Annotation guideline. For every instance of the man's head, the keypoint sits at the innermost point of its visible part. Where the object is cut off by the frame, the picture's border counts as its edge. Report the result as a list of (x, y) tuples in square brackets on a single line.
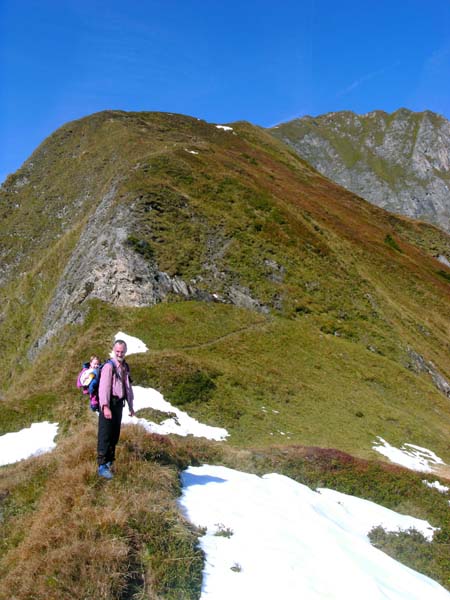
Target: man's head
[(119, 350)]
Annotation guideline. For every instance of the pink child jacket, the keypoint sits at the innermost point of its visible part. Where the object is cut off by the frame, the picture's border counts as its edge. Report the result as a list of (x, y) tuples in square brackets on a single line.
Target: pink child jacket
[(112, 385)]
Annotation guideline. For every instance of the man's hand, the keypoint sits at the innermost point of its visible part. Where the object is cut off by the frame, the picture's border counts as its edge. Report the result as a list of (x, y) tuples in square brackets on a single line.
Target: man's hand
[(107, 412), (131, 413)]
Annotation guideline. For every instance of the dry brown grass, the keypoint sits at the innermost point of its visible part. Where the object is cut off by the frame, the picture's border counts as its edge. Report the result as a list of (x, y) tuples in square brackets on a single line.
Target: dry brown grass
[(92, 539)]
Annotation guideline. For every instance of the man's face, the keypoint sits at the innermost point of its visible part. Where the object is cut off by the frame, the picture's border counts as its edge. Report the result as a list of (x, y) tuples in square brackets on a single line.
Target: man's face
[(119, 352)]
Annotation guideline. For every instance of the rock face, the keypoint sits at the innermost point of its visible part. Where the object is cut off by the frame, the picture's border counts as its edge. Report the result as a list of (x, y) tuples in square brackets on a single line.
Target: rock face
[(399, 161), (420, 365), (103, 265)]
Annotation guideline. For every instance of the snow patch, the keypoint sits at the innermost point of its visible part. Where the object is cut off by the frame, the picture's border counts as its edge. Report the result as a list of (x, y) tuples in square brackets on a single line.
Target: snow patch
[(134, 344), (190, 151), (287, 541), (443, 259), (409, 456), (364, 515), (31, 441), (181, 424), (224, 127), (436, 485)]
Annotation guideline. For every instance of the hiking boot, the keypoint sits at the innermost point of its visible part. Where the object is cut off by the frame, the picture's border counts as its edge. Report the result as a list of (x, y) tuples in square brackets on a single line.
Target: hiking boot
[(103, 471)]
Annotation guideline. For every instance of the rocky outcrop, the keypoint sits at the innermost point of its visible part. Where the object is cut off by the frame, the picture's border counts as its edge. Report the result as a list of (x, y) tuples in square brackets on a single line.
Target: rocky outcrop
[(400, 162), (419, 364), (104, 265)]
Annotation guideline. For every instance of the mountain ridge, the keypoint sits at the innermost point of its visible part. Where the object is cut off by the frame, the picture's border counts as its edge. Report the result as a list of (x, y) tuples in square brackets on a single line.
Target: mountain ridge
[(399, 161)]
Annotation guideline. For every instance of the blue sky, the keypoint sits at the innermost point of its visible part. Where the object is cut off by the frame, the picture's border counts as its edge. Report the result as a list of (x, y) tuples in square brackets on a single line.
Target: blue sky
[(265, 62)]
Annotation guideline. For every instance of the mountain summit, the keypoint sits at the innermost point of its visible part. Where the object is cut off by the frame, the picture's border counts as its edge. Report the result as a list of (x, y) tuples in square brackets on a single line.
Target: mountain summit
[(399, 161)]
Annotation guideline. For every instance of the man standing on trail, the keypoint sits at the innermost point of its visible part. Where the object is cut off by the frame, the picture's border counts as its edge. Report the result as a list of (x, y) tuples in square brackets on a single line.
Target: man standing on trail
[(114, 389)]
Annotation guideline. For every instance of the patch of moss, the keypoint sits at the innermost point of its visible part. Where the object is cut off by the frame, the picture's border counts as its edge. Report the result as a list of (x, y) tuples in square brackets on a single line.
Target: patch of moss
[(142, 247), (444, 274), (390, 241)]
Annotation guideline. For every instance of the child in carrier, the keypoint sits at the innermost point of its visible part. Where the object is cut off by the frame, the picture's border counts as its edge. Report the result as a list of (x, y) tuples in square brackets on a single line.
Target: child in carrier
[(88, 380)]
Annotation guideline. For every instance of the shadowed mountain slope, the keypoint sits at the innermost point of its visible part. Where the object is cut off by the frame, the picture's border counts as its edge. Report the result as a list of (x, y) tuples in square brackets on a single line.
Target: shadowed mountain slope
[(399, 161)]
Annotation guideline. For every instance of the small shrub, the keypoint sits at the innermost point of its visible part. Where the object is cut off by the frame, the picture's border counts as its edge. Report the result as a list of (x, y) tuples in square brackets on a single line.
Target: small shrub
[(142, 247), (302, 310), (156, 416), (413, 550), (223, 531), (444, 274), (195, 387), (389, 240)]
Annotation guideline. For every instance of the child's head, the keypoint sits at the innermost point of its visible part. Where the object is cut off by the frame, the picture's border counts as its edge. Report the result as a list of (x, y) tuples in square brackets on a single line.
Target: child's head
[(94, 362)]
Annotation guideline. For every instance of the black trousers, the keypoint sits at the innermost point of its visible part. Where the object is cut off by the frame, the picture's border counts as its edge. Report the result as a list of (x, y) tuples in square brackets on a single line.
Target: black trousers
[(109, 433)]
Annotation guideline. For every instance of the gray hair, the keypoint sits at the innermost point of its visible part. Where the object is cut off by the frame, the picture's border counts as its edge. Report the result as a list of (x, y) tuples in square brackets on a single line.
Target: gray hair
[(121, 343)]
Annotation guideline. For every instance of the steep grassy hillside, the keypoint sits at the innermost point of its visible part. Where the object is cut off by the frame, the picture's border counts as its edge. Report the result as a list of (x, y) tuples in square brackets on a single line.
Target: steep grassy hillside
[(274, 303)]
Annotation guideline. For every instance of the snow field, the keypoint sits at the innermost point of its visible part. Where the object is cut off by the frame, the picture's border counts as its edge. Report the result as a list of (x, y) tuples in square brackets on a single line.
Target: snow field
[(288, 541)]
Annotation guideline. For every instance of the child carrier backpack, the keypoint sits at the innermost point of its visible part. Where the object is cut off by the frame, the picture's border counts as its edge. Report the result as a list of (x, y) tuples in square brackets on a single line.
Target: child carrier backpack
[(88, 381)]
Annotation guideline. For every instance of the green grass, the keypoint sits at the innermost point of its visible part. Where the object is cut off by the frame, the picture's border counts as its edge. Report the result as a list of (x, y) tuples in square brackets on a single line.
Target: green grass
[(390, 241), (33, 409), (267, 379)]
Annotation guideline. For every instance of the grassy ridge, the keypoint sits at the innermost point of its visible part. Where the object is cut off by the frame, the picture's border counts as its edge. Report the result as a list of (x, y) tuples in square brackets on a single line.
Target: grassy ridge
[(68, 535), (53, 505)]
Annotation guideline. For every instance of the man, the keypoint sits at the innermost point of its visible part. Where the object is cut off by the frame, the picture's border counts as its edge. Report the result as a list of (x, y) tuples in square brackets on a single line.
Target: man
[(114, 389)]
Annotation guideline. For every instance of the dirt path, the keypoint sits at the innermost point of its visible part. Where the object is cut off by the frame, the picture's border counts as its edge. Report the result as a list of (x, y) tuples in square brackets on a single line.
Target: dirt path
[(262, 325)]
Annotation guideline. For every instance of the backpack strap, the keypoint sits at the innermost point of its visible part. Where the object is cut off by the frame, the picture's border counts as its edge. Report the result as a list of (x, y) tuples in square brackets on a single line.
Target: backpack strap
[(111, 362)]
